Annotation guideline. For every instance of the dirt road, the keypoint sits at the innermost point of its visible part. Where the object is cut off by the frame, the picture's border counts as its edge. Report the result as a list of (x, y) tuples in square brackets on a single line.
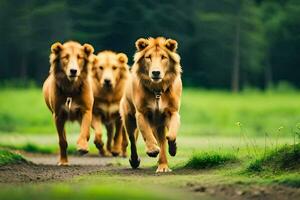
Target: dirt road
[(42, 168)]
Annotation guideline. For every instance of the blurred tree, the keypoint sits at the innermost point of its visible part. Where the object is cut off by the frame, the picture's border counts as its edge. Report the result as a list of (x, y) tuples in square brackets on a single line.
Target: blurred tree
[(231, 31), (285, 48), (223, 43)]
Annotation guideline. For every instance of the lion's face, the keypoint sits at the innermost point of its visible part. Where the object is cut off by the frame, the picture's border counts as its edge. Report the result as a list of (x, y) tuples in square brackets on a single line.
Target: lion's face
[(73, 58), (154, 57), (108, 68), (156, 61)]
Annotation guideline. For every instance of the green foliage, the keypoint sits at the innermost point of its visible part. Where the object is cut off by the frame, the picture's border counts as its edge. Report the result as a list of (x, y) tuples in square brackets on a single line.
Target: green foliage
[(292, 180), (266, 50), (92, 191), (7, 157), (285, 158), (36, 148), (206, 160)]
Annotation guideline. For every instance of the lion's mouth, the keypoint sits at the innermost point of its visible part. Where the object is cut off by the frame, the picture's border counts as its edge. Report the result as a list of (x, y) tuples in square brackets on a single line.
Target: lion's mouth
[(156, 79), (73, 77)]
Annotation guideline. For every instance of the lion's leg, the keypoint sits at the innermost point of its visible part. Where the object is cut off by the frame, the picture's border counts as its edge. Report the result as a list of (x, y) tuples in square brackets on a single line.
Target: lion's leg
[(97, 126), (117, 144), (130, 128), (162, 161), (63, 145), (84, 136), (173, 127), (110, 132), (152, 148), (124, 142)]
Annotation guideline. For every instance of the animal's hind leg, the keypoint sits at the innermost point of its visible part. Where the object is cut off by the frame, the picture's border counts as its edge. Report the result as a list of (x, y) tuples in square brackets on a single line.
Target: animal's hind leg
[(130, 128), (63, 145)]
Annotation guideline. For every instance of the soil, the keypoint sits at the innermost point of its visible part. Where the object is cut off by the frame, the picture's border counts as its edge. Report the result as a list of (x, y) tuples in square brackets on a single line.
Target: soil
[(43, 168), (251, 192)]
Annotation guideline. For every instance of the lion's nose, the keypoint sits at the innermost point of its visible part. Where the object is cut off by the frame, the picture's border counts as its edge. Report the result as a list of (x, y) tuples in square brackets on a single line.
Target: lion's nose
[(73, 72), (107, 81), (155, 73)]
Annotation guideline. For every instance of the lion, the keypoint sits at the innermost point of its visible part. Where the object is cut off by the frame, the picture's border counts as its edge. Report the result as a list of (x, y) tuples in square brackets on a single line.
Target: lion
[(109, 74), (68, 92), (152, 99)]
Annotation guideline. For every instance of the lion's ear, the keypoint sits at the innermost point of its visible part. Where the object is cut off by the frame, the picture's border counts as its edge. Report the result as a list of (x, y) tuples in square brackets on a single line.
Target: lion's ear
[(141, 44), (94, 59), (56, 47), (88, 49), (171, 45), (122, 58)]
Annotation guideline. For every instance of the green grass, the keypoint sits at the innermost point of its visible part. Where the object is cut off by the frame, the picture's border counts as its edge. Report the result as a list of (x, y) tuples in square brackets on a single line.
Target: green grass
[(216, 113), (285, 158), (24, 110), (81, 192), (207, 160), (224, 151), (202, 112), (36, 148), (7, 157)]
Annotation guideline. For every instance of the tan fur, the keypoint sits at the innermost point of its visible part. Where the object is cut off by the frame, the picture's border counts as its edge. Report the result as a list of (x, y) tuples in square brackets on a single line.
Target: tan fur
[(112, 67), (157, 119), (68, 96)]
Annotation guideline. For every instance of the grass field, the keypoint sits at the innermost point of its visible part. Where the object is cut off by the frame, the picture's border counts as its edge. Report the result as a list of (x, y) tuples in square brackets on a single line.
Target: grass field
[(239, 142), (203, 113)]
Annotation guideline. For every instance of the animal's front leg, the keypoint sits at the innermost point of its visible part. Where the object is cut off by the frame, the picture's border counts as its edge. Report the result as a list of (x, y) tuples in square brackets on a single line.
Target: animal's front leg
[(97, 126), (117, 144), (163, 162), (173, 128), (63, 145), (152, 148), (124, 143), (131, 129), (84, 136), (110, 132)]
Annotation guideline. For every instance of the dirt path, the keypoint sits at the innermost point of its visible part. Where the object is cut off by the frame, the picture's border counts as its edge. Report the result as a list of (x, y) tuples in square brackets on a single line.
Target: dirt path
[(43, 169)]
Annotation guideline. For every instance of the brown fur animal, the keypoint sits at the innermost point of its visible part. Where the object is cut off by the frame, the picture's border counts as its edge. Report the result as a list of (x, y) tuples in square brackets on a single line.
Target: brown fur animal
[(68, 92), (152, 99), (110, 72)]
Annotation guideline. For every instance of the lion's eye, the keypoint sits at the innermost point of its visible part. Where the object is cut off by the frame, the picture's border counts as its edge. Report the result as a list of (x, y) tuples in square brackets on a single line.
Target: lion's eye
[(148, 57), (114, 67), (163, 57), (66, 57), (101, 67), (79, 57)]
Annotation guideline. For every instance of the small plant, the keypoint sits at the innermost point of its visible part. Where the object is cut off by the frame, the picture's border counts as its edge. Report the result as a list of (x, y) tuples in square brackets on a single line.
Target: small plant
[(7, 157), (285, 158), (247, 141), (205, 160)]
